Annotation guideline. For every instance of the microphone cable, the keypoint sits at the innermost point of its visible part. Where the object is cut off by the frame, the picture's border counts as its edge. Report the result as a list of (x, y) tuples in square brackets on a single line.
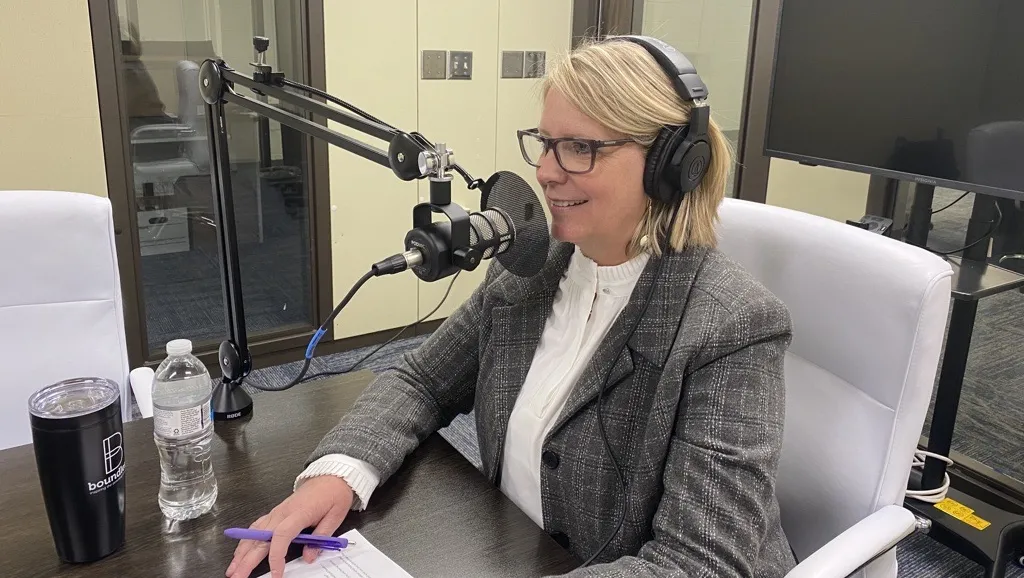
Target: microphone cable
[(389, 341), (330, 98), (385, 267), (958, 199), (319, 335), (600, 392), (471, 182), (993, 225)]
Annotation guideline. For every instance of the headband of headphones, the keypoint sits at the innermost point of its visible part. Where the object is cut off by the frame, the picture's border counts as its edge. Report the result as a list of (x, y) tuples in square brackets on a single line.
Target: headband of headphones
[(675, 64)]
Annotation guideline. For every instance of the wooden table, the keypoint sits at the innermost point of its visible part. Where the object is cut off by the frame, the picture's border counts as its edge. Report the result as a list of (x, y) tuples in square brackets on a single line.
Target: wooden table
[(438, 516)]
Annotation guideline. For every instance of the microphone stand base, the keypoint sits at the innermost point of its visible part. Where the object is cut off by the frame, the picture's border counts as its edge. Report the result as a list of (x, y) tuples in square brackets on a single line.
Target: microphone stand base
[(230, 402)]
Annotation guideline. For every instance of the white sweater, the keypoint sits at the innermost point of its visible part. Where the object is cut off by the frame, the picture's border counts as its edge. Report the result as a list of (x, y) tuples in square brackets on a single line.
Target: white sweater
[(588, 301)]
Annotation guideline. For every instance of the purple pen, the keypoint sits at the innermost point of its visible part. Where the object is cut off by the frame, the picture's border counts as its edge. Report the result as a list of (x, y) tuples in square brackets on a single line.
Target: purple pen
[(322, 542)]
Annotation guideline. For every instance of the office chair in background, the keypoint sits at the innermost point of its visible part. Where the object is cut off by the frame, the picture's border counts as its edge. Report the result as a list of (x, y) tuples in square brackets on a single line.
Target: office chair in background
[(869, 315), (994, 153), (163, 227), (188, 132)]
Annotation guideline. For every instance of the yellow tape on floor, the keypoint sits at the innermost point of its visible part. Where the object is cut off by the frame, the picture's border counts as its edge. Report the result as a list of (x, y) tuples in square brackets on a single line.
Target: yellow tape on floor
[(962, 513)]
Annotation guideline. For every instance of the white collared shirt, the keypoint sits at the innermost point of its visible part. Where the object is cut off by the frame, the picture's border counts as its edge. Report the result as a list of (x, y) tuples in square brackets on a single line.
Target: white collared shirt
[(587, 303)]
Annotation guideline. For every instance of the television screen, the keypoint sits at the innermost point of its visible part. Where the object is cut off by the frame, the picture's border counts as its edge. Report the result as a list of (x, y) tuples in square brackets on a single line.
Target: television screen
[(930, 91)]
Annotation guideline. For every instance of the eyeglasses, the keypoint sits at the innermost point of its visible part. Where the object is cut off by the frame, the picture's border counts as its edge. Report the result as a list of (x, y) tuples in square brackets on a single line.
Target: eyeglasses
[(574, 155)]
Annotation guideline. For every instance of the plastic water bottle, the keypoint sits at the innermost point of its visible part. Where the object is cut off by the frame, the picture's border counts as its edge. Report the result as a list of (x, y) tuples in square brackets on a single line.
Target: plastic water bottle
[(183, 430)]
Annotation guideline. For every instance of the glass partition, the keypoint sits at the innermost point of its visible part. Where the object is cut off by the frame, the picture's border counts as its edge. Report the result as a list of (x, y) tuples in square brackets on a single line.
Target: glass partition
[(163, 45)]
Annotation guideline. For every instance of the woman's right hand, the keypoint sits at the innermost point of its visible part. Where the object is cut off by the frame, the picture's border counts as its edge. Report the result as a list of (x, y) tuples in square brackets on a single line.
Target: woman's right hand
[(323, 502)]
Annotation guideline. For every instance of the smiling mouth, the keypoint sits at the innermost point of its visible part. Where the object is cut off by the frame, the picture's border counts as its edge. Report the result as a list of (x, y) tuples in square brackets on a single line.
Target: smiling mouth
[(564, 204)]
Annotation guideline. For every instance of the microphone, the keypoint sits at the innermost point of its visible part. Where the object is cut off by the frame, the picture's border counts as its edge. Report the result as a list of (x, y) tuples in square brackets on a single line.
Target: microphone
[(491, 233), (512, 227)]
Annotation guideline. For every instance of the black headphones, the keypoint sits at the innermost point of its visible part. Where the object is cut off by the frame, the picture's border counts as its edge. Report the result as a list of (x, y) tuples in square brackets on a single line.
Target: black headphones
[(680, 156)]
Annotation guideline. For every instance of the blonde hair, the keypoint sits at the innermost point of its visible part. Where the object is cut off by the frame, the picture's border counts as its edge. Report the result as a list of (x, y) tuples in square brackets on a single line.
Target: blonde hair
[(621, 86)]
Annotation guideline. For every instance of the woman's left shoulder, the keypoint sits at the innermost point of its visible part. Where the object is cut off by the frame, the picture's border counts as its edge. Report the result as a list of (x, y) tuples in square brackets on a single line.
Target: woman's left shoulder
[(723, 289)]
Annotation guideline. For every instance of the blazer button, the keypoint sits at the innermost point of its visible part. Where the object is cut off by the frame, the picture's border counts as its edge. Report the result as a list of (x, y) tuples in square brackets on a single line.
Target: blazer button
[(550, 459)]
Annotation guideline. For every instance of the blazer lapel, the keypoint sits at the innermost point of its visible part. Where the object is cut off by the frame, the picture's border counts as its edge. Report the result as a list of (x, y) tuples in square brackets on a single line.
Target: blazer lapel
[(517, 322), (520, 326), (653, 336)]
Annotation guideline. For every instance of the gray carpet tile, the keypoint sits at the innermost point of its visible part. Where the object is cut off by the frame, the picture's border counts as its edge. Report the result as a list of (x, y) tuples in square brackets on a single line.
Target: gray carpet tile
[(921, 557), (387, 357)]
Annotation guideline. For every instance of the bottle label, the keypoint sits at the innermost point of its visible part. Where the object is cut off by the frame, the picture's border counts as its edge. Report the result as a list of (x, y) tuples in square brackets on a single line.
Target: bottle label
[(180, 423)]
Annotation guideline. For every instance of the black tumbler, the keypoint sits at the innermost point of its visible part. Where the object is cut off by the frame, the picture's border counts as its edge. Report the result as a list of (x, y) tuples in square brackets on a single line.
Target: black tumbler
[(78, 440)]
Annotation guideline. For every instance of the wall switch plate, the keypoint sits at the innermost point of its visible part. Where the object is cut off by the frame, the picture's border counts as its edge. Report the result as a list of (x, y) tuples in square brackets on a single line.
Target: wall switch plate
[(460, 65), (512, 64), (535, 64), (434, 64)]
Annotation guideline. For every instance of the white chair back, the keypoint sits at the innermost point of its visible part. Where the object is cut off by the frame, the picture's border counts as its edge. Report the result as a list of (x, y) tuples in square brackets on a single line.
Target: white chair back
[(60, 301), (869, 316), (192, 112)]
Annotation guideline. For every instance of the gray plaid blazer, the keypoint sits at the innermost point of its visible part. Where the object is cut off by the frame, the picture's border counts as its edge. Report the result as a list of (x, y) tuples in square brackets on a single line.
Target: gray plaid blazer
[(693, 410)]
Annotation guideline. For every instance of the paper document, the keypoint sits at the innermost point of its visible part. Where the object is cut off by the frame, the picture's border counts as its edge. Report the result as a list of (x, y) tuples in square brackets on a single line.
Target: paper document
[(359, 560)]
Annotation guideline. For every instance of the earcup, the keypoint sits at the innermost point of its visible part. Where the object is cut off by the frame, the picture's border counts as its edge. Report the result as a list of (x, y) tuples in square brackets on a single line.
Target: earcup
[(654, 154), (693, 166), (661, 174)]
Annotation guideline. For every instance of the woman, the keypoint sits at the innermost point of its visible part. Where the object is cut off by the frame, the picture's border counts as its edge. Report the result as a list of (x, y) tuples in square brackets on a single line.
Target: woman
[(636, 320)]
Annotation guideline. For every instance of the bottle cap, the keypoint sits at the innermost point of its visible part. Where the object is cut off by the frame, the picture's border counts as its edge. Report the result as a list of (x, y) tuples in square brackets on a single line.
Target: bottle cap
[(179, 347)]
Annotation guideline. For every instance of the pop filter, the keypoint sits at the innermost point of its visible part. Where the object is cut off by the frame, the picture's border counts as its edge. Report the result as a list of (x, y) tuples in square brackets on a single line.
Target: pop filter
[(507, 192)]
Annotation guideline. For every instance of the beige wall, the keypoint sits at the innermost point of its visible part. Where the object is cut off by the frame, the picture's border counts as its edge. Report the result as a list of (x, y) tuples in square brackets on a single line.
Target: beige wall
[(715, 36), (476, 118), (822, 191), (49, 129), (461, 113), (480, 118), (369, 206)]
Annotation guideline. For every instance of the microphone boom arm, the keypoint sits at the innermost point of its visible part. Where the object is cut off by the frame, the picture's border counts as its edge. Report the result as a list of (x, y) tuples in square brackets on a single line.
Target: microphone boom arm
[(409, 155), (217, 81)]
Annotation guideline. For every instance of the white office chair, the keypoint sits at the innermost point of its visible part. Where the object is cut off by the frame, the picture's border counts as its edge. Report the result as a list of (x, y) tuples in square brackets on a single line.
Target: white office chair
[(60, 301), (189, 133), (869, 317)]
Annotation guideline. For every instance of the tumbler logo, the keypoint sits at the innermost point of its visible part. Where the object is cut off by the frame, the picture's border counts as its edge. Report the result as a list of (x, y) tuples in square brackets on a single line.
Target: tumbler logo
[(113, 463), (111, 451)]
